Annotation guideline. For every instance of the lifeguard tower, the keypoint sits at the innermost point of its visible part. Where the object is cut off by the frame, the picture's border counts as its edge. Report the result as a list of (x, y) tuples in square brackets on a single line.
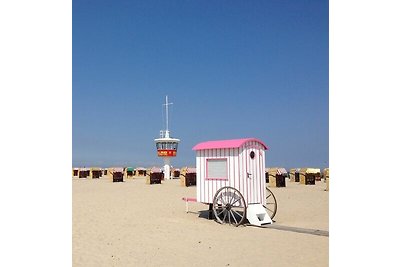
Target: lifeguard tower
[(167, 147)]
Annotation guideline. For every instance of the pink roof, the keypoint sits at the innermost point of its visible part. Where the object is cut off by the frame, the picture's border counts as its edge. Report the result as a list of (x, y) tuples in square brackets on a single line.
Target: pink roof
[(233, 143), (281, 171), (191, 170), (155, 169)]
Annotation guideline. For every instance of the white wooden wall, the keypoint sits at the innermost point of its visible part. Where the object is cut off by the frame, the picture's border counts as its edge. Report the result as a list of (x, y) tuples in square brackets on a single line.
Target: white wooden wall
[(238, 163)]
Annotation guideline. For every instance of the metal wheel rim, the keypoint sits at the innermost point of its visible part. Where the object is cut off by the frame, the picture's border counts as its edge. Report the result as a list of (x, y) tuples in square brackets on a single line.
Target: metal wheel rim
[(229, 206), (270, 203)]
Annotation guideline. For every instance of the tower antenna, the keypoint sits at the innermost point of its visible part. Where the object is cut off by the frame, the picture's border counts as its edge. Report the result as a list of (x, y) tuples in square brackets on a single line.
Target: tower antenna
[(166, 111)]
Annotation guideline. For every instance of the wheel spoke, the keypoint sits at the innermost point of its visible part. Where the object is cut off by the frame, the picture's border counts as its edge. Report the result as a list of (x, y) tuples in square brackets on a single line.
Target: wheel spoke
[(241, 216), (269, 209), (233, 198), (233, 216), (220, 212), (218, 200), (223, 220), (222, 199), (229, 198), (226, 195), (236, 201)]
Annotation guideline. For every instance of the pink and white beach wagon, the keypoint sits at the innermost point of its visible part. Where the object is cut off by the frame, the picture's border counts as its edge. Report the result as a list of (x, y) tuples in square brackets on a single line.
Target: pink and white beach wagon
[(231, 179)]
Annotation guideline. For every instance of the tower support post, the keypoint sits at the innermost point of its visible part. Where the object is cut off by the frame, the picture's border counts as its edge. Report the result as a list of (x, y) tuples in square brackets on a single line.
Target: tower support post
[(167, 168)]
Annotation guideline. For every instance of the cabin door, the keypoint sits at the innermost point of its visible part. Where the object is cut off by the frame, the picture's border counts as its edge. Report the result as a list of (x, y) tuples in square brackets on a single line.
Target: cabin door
[(254, 176)]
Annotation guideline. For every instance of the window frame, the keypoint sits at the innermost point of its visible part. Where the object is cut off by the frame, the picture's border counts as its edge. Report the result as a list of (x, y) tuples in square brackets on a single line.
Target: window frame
[(226, 169)]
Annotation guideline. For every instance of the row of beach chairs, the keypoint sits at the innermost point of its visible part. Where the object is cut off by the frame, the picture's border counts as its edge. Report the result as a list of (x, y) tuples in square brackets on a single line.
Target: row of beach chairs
[(153, 175), (276, 177)]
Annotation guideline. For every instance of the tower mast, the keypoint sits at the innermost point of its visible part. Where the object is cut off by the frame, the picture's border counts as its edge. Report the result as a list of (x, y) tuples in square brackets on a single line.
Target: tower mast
[(166, 111), (167, 147)]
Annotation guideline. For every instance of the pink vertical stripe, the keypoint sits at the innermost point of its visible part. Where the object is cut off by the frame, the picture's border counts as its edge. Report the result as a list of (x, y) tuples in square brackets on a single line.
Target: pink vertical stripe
[(208, 183), (232, 154), (242, 170), (260, 173), (245, 175), (212, 182), (204, 175), (238, 172)]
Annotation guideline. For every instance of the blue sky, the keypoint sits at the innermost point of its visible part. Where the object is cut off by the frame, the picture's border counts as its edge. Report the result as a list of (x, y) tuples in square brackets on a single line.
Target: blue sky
[(233, 69)]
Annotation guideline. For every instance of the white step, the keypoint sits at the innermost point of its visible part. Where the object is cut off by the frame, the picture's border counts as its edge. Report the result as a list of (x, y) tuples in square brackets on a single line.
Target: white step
[(257, 215)]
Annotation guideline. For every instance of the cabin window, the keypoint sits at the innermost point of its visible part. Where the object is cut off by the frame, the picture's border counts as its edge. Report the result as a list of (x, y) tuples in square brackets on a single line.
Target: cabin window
[(217, 169)]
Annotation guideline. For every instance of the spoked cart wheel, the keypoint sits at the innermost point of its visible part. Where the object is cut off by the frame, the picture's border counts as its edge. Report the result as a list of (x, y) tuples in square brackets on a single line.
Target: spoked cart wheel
[(229, 206), (270, 203)]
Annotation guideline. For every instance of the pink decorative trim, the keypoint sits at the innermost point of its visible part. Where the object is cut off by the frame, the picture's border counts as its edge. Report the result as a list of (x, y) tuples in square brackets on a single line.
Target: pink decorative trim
[(232, 143)]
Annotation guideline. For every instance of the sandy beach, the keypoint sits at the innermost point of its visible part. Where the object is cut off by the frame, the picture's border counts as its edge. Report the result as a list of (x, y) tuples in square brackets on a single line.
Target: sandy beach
[(135, 224)]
